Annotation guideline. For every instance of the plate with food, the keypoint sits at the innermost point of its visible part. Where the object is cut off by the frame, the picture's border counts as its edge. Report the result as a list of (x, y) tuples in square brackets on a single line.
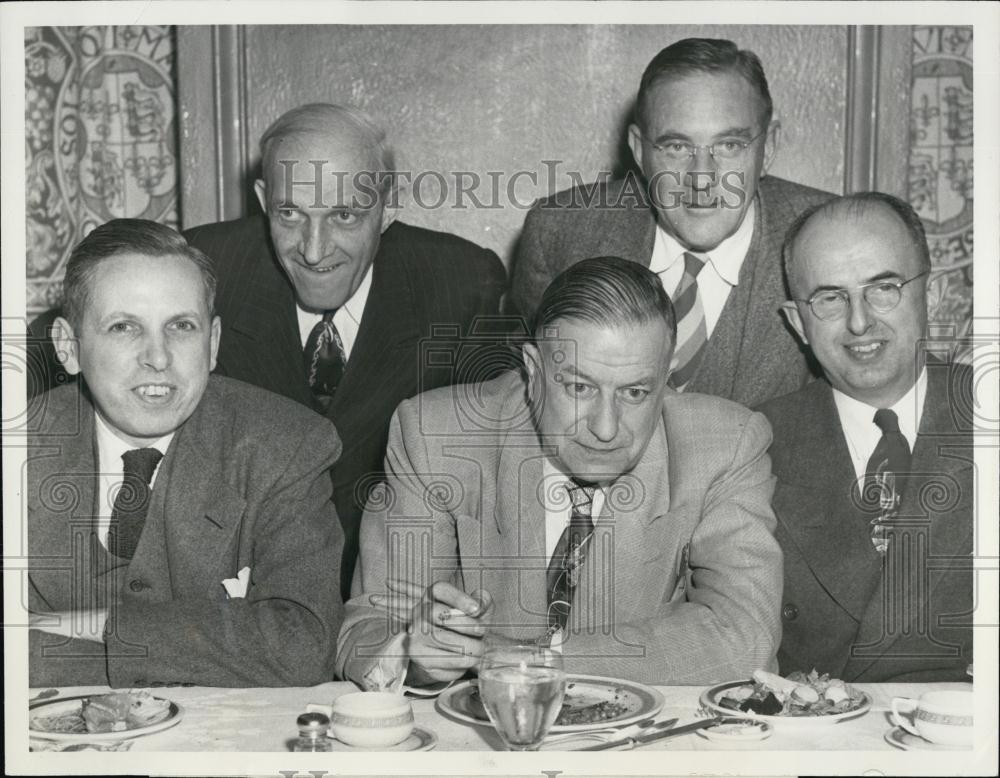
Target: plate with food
[(96, 718), (801, 699), (591, 702)]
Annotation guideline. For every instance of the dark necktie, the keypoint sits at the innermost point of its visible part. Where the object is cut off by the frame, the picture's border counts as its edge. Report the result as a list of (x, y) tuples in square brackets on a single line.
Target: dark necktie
[(692, 332), (568, 556), (128, 516), (885, 475), (324, 360)]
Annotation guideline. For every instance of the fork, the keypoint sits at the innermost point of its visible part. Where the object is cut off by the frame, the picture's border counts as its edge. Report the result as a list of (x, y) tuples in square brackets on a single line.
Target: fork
[(612, 732)]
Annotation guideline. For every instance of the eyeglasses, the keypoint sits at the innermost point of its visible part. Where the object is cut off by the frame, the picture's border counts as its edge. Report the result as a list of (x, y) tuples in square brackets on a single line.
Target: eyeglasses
[(725, 149), (882, 296)]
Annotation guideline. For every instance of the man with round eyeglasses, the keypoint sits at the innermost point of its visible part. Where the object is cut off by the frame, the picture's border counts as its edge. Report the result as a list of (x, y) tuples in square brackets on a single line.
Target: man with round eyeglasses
[(706, 218), (874, 464)]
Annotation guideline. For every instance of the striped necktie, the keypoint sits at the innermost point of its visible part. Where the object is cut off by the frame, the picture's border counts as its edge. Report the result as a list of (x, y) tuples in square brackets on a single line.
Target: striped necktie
[(692, 334), (325, 360), (569, 554)]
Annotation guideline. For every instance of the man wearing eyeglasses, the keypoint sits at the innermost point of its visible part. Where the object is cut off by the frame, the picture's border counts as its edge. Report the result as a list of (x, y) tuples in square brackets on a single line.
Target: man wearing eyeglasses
[(874, 464), (706, 220)]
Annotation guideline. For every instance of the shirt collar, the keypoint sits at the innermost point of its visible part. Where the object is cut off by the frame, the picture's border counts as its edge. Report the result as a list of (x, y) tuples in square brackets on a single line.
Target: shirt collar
[(909, 409), (110, 447), (727, 258)]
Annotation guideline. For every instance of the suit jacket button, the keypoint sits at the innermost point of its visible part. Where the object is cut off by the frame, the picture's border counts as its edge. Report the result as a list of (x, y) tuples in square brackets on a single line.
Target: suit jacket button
[(136, 585), (790, 612)]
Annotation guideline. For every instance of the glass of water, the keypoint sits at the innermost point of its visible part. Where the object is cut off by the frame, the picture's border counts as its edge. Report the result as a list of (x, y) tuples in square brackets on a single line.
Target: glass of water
[(522, 688)]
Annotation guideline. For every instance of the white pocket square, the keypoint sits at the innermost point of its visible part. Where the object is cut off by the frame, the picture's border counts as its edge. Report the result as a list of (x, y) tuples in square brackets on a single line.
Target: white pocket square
[(237, 587)]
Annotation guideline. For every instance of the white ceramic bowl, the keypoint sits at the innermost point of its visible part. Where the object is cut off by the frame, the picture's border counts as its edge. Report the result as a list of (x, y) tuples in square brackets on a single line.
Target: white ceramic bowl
[(371, 719)]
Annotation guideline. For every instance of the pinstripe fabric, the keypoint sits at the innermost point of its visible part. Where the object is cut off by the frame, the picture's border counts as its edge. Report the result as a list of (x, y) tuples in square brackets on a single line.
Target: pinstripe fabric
[(427, 289)]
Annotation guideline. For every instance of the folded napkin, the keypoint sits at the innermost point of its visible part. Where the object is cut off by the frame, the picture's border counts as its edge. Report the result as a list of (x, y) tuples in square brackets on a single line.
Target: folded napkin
[(236, 587)]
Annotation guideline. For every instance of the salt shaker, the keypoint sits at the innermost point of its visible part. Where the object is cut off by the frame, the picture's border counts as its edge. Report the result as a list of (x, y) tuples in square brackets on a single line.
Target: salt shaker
[(312, 733)]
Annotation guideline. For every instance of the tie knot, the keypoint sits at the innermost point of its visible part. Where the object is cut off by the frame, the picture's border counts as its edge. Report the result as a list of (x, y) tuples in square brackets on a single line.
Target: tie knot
[(142, 462), (328, 316), (582, 497), (692, 264), (886, 420)]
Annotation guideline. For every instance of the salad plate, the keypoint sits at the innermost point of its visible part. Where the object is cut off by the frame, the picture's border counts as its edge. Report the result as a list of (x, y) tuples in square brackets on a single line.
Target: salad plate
[(591, 702), (793, 714), (63, 720)]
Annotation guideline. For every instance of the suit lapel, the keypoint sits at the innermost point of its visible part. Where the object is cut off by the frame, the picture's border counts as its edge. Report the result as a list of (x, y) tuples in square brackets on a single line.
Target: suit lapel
[(264, 336), (816, 508), (631, 537), (941, 466), (62, 503), (515, 540), (193, 526), (384, 350)]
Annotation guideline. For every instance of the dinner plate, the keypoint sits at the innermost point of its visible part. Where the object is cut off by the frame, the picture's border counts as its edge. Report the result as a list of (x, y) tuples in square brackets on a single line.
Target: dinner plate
[(640, 702), (900, 738), (39, 711), (710, 701), (420, 739)]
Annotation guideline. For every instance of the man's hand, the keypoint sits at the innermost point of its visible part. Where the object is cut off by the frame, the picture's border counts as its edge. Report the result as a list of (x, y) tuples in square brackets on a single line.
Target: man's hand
[(446, 628), (83, 625)]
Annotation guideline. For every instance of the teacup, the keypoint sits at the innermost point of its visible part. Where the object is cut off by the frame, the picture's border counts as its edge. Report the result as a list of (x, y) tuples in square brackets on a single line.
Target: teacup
[(943, 717), (371, 719)]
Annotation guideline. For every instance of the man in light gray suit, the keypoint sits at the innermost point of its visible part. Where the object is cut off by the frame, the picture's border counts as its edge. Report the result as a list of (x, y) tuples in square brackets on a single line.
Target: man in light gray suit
[(707, 219), (586, 504), (180, 527)]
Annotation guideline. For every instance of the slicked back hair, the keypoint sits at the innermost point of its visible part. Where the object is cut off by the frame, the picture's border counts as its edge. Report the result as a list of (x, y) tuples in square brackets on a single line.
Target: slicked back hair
[(327, 119), (126, 236), (704, 55), (857, 206), (607, 291)]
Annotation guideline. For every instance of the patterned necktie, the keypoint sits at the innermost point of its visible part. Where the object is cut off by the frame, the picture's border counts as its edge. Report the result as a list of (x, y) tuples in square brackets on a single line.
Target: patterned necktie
[(128, 516), (570, 551), (325, 360), (692, 333), (884, 476)]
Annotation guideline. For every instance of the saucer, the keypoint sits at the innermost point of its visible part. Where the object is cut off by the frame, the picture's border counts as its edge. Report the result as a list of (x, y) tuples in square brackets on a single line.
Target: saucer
[(420, 739), (738, 731), (900, 738)]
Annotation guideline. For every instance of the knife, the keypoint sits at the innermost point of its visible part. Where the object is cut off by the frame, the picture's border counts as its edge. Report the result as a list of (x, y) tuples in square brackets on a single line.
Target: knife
[(633, 742)]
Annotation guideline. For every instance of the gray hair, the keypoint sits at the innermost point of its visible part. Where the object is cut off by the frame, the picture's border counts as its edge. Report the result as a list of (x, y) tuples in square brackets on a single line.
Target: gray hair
[(325, 119)]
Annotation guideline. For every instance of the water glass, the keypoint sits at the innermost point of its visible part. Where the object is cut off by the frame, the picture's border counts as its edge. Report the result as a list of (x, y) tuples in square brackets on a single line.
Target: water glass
[(522, 688)]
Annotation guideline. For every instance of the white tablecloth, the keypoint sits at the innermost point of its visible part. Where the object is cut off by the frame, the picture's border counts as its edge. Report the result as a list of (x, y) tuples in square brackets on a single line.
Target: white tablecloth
[(263, 720)]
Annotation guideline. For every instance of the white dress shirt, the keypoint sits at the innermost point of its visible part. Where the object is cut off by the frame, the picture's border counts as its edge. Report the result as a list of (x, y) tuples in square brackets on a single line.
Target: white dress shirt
[(719, 275), (857, 419), (347, 319), (111, 471)]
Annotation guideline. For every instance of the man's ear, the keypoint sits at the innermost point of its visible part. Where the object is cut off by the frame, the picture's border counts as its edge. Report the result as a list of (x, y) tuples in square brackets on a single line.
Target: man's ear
[(215, 340), (771, 139), (67, 346), (635, 143), (791, 310), (260, 189)]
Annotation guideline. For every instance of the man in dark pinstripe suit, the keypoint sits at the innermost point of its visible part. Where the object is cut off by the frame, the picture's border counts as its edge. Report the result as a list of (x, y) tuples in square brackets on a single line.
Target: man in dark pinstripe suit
[(329, 249)]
